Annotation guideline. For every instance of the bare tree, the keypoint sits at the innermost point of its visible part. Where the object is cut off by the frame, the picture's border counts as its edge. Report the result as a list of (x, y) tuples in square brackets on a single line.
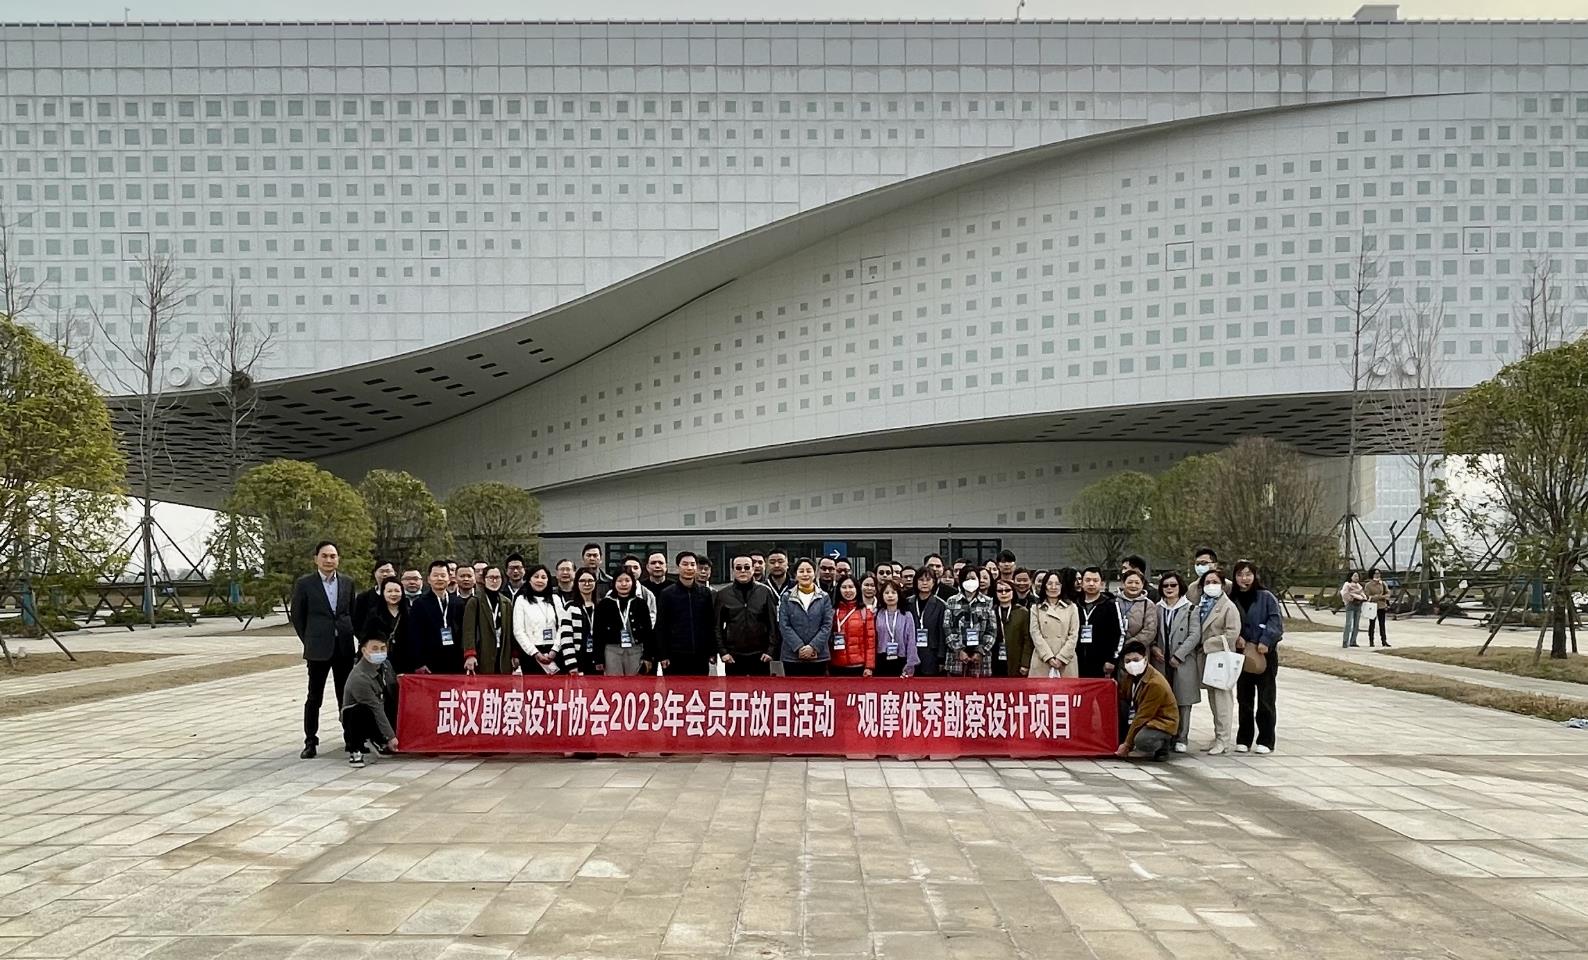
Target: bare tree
[(1409, 369), (1364, 299), (146, 347), (16, 295), (1540, 313), (236, 350)]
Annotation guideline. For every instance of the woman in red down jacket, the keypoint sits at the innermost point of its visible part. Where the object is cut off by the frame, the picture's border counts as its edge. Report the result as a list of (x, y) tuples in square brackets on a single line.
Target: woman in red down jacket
[(854, 633)]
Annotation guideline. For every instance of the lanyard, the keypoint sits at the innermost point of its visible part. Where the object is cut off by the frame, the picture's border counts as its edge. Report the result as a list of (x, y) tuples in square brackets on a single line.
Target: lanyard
[(623, 612), (1087, 611), (893, 624), (845, 620)]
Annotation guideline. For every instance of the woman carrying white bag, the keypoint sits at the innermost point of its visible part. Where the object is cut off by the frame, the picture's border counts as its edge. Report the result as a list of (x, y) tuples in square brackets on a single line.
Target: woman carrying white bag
[(1220, 622)]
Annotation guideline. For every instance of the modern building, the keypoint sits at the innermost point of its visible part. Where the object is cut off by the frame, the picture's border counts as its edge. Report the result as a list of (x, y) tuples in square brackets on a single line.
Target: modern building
[(902, 285)]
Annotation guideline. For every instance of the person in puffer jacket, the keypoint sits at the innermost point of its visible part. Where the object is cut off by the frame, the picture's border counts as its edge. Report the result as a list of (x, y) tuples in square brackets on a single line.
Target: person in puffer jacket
[(854, 633)]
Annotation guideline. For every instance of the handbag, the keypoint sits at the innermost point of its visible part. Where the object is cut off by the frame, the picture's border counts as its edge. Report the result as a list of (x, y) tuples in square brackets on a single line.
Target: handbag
[(1223, 669), (1254, 660), (1369, 610)]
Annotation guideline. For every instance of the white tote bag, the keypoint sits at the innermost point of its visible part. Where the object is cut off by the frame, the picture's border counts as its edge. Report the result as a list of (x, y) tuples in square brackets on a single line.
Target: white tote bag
[(1223, 669), (1369, 612)]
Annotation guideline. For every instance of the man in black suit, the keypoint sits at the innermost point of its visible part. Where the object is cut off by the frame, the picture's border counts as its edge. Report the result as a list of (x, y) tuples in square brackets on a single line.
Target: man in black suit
[(322, 616), (433, 640)]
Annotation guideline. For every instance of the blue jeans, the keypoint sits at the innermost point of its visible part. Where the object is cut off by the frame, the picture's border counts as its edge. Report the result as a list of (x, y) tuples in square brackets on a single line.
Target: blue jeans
[(1353, 613)]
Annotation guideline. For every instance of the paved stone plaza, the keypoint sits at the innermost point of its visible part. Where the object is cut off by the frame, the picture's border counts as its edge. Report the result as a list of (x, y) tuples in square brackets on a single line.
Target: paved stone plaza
[(182, 824)]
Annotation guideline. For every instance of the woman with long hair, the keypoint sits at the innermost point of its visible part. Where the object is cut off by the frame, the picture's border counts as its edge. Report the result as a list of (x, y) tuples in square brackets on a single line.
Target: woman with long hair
[(897, 655), (868, 591), (854, 644), (622, 628), (385, 620), (577, 623), (1055, 630), (537, 628), (1262, 627)]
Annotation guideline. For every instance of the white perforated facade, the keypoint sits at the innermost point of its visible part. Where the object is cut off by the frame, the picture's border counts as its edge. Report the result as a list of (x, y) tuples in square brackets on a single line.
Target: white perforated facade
[(705, 267)]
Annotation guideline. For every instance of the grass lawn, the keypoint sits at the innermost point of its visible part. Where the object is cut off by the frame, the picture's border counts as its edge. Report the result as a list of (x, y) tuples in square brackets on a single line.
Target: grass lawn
[(12, 704), (1527, 704), (1298, 625), (1514, 660), (44, 657)]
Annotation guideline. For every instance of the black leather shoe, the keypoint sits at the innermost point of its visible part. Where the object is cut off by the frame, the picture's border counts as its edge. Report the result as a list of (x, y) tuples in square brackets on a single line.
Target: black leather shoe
[(308, 752)]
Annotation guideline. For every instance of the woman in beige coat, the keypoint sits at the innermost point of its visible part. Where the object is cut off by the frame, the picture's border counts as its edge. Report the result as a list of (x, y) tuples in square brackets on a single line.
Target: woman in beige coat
[(1055, 630), (1220, 622)]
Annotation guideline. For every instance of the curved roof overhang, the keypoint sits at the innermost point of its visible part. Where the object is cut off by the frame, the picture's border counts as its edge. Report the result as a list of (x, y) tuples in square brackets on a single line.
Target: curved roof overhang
[(339, 411)]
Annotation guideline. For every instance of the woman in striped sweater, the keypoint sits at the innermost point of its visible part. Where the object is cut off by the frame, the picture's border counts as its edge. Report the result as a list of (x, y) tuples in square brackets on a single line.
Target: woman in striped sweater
[(577, 623)]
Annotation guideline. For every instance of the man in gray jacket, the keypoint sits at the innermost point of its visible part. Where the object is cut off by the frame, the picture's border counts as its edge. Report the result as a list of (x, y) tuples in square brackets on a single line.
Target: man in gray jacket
[(367, 710), (322, 615)]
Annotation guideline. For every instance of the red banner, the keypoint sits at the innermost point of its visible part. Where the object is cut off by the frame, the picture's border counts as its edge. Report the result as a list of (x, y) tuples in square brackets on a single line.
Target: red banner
[(937, 717)]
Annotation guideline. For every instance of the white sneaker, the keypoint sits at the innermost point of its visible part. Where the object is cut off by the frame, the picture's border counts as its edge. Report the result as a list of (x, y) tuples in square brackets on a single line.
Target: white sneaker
[(1241, 748), (355, 759), (1260, 749), (1217, 748), (1180, 748)]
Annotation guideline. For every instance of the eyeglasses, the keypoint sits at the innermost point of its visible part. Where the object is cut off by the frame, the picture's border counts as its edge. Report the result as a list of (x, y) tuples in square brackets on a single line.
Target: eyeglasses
[(741, 566)]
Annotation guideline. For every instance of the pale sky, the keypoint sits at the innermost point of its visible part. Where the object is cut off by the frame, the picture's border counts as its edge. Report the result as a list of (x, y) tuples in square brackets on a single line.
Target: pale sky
[(15, 10)]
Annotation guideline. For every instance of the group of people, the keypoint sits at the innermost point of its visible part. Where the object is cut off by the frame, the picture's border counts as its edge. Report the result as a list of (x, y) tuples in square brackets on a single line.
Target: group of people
[(802, 617), (1365, 601)]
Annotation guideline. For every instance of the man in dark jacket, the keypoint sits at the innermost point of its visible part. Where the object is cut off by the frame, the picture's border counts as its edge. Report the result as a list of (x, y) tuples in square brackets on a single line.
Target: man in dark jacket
[(433, 639), (365, 601), (322, 616), (1098, 644), (684, 641), (745, 614), (928, 609)]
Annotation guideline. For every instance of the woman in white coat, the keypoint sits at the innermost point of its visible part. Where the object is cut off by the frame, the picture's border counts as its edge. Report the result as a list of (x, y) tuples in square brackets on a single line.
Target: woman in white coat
[(1220, 632), (543, 648), (1055, 630)]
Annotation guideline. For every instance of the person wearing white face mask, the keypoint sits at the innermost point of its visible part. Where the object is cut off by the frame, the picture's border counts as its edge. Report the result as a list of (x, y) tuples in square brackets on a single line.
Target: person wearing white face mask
[(971, 626), (1204, 560), (1148, 705), (366, 717), (1220, 632)]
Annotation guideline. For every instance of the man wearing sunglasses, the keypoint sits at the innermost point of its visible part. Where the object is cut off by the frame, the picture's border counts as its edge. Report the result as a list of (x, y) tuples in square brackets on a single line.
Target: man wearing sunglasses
[(746, 621)]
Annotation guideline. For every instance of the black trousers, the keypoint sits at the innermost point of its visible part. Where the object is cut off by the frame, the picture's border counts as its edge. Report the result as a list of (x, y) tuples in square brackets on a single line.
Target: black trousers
[(805, 668), (359, 725), (1383, 615), (747, 665), (1254, 698), (338, 670), (889, 667)]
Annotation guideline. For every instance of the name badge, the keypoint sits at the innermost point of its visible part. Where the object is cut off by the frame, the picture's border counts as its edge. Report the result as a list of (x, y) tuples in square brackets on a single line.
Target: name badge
[(446, 636), (920, 639), (1003, 653), (838, 640), (625, 639), (1086, 633), (545, 635), (892, 648), (972, 637)]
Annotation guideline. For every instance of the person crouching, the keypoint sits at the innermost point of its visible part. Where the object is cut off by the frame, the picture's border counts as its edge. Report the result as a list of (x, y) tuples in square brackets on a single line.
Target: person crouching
[(1150, 706), (366, 717)]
